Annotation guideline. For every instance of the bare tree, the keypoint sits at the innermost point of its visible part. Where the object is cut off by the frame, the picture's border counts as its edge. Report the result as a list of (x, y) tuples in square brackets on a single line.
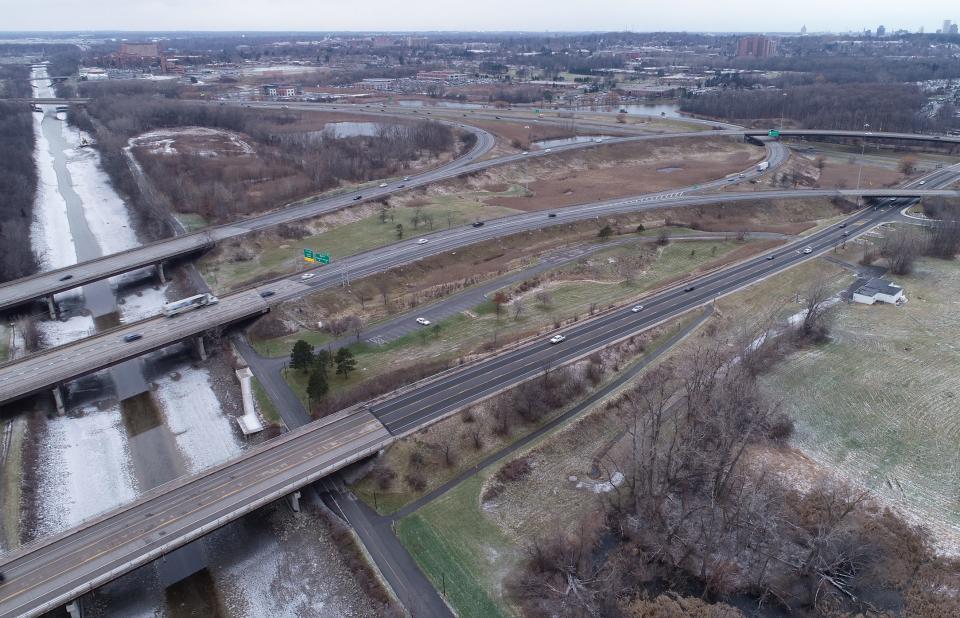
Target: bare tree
[(908, 165), (901, 248), (517, 307)]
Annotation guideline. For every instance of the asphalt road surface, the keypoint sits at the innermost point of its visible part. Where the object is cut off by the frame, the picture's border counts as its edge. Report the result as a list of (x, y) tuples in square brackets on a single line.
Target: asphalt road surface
[(33, 373), (51, 571)]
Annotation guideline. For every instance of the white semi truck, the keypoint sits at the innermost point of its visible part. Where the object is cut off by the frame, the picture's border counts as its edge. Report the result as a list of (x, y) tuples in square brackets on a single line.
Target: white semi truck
[(762, 167), (189, 304)]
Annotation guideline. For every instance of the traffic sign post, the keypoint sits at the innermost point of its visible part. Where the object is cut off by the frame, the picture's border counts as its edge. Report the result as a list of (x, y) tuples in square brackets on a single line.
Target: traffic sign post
[(308, 255)]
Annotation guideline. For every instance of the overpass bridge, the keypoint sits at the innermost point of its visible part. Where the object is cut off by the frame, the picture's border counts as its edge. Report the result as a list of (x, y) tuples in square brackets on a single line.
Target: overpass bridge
[(48, 101), (52, 368)]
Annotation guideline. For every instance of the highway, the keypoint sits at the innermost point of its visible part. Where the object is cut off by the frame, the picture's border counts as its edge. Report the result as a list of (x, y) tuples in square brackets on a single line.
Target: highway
[(20, 291), (51, 571), (35, 372)]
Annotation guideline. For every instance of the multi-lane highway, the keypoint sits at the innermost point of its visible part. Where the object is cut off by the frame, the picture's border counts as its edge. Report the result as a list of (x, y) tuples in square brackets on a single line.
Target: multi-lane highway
[(35, 372), (45, 284), (51, 571)]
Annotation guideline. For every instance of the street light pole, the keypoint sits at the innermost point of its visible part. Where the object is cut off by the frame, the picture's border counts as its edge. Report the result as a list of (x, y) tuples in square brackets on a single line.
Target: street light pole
[(863, 149), (783, 106)]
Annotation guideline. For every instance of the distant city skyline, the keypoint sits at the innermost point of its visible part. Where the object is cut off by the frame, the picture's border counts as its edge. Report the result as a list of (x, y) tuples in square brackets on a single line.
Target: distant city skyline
[(492, 15)]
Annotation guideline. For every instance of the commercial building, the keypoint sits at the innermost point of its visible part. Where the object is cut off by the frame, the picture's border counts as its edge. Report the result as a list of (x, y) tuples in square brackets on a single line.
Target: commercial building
[(442, 76), (280, 90), (756, 47)]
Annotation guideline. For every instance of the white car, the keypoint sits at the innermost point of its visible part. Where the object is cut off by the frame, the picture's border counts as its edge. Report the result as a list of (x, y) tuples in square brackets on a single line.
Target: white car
[(808, 250), (406, 178), (922, 182), (382, 185), (598, 140), (548, 149), (557, 338), (423, 321), (306, 276), (637, 308), (524, 152), (422, 241)]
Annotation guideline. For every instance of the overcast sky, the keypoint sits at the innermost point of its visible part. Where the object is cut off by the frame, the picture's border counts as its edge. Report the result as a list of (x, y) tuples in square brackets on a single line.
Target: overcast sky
[(535, 15)]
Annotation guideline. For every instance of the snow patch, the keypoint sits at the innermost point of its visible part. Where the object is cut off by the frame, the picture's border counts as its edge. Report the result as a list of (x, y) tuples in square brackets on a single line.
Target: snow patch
[(83, 468), (62, 332), (144, 303), (204, 433), (602, 488)]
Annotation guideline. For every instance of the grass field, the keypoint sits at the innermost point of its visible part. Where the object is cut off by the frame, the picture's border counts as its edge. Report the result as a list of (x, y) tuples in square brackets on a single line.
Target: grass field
[(191, 222), (282, 255), (461, 551), (264, 403), (4, 342), (880, 401)]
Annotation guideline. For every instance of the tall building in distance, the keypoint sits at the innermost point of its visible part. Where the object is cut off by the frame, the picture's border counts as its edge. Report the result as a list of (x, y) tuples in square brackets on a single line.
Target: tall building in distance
[(803, 30), (955, 29), (756, 47), (881, 30)]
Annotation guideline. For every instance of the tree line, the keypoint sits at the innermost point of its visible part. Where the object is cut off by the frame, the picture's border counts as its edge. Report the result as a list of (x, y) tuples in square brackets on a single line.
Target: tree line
[(890, 107), (18, 175), (288, 165)]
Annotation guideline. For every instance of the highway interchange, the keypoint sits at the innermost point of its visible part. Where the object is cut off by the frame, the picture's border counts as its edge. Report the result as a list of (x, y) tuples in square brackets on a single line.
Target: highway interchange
[(51, 571)]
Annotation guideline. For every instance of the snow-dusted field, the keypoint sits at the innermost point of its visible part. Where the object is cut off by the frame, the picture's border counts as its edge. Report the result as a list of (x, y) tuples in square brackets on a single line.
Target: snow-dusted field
[(205, 435), (202, 141), (83, 469)]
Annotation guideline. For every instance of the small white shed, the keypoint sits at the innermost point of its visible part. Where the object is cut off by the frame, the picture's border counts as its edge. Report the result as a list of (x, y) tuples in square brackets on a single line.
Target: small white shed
[(879, 291)]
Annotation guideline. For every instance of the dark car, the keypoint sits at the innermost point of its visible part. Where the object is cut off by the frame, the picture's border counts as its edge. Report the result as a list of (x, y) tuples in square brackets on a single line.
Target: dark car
[(132, 337), (689, 288), (846, 233), (66, 278), (552, 214), (477, 224), (267, 293), (770, 257), (357, 198), (843, 225), (401, 186), (3, 578)]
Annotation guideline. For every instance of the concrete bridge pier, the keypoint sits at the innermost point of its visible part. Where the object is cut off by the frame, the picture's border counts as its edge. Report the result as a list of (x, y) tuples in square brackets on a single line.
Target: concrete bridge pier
[(52, 306), (160, 275), (58, 399), (294, 499), (75, 609), (198, 348)]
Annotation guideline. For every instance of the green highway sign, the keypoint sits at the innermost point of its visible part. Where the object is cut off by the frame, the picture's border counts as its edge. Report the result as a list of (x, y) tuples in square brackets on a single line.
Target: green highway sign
[(773, 133), (309, 255)]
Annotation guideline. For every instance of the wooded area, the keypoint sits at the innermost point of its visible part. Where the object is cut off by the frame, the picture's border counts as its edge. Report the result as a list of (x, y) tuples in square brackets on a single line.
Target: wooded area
[(18, 175), (886, 107), (287, 165)]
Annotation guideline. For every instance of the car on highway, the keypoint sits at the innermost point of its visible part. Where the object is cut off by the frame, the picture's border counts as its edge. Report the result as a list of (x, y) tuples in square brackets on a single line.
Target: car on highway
[(267, 293), (637, 308), (498, 117), (382, 185), (406, 178), (400, 186), (422, 241), (557, 338), (770, 257), (689, 288), (357, 198), (423, 321), (922, 182), (477, 224), (843, 225), (524, 152), (306, 276), (548, 149), (551, 215), (132, 337), (846, 233), (808, 250), (66, 278)]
